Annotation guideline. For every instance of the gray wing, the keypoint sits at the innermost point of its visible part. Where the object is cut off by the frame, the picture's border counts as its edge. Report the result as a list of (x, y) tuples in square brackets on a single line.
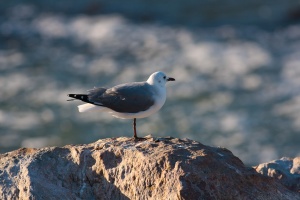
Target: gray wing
[(125, 98)]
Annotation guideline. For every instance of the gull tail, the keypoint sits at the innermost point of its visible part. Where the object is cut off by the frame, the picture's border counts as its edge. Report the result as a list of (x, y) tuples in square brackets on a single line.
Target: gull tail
[(88, 107)]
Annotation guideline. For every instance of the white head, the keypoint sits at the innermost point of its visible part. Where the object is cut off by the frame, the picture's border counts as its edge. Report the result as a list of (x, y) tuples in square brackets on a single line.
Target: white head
[(159, 79)]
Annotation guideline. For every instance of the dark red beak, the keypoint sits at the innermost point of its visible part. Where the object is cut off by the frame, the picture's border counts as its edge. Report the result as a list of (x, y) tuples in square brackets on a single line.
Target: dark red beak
[(171, 79)]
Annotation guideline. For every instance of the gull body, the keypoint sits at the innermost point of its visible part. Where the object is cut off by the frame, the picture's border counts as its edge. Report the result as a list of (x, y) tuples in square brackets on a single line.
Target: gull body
[(128, 100)]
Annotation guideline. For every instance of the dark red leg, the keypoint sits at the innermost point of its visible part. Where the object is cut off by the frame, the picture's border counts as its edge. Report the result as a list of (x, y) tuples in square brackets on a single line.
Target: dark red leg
[(134, 128), (134, 132)]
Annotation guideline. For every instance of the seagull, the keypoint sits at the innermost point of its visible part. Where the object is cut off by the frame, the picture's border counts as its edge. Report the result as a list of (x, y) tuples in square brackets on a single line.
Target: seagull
[(129, 100)]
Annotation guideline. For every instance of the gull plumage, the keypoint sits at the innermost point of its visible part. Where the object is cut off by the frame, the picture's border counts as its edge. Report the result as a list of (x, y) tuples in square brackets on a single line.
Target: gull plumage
[(129, 100)]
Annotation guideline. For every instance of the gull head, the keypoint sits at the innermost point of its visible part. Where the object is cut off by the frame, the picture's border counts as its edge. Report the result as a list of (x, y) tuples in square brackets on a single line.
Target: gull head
[(159, 79)]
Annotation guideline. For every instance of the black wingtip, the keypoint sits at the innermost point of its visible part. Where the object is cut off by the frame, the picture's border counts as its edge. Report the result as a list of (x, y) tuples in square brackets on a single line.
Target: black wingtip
[(72, 95), (82, 97)]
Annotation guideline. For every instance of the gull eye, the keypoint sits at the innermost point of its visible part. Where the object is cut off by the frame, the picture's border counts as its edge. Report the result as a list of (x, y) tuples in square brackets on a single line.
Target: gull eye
[(165, 77)]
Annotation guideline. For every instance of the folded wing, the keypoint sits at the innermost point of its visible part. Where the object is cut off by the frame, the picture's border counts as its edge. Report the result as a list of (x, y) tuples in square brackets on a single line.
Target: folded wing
[(129, 98)]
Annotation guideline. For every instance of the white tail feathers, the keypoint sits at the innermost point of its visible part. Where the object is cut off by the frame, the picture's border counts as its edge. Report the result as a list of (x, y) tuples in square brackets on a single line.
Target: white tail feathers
[(87, 107)]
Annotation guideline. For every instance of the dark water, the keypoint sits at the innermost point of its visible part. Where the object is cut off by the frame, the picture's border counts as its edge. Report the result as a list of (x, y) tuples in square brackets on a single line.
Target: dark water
[(237, 85)]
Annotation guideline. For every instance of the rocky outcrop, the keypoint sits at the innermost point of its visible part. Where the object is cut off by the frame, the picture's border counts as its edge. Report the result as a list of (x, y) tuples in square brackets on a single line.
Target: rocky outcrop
[(121, 168), (286, 170)]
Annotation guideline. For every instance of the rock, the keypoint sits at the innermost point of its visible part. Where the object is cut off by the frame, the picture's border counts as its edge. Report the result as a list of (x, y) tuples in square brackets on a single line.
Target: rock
[(121, 168), (286, 170)]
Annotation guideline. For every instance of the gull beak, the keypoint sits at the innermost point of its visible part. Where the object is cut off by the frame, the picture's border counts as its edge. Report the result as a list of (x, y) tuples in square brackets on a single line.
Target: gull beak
[(171, 79)]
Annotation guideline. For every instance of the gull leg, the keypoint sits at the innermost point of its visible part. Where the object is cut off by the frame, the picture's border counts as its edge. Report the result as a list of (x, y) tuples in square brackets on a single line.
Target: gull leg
[(134, 128), (135, 137)]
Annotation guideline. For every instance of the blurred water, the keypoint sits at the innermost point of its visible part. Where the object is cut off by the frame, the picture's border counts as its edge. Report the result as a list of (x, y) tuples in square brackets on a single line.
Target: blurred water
[(236, 86)]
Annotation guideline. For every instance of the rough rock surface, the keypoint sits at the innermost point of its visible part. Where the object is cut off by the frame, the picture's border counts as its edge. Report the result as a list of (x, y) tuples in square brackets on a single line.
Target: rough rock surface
[(287, 170), (121, 168)]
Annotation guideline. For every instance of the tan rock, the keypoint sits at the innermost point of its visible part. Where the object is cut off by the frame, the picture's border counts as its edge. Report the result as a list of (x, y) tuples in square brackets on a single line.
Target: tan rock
[(286, 170), (121, 168)]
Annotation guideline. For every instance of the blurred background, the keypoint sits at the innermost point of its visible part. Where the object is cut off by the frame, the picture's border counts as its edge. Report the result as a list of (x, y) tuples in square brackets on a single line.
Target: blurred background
[(236, 64)]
